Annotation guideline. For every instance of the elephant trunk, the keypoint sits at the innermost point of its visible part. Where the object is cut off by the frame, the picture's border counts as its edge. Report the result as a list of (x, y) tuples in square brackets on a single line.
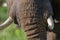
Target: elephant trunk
[(50, 22), (6, 23)]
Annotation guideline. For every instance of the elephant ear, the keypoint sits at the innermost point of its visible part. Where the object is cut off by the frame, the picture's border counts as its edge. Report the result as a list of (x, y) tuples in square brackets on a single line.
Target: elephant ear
[(50, 23)]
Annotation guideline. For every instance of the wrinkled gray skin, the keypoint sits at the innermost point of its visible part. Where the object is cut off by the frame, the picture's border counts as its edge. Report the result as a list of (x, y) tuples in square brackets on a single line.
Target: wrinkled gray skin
[(31, 16)]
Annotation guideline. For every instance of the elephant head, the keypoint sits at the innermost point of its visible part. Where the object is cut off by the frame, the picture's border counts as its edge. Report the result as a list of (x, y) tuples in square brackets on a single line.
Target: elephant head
[(10, 3), (46, 12)]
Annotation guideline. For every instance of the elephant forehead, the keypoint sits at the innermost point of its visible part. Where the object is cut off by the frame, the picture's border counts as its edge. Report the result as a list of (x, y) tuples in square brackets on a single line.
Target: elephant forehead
[(29, 8), (29, 11), (30, 4), (24, 1)]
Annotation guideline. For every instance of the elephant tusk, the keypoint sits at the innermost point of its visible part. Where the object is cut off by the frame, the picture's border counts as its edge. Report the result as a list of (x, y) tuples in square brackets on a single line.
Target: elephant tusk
[(50, 22), (6, 23)]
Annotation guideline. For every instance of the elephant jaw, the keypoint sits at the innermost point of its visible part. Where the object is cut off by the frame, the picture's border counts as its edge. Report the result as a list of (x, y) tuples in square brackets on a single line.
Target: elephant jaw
[(6, 23), (50, 22)]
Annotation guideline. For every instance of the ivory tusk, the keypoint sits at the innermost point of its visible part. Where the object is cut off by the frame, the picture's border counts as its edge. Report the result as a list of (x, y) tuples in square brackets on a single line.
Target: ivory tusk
[(6, 23), (50, 22)]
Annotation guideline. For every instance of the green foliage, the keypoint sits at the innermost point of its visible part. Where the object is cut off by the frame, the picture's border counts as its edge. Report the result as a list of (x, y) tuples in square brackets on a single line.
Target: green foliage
[(3, 14), (2, 0), (10, 33)]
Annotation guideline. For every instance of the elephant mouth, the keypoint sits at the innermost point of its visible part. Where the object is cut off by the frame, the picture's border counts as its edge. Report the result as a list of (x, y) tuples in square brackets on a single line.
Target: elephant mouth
[(6, 23)]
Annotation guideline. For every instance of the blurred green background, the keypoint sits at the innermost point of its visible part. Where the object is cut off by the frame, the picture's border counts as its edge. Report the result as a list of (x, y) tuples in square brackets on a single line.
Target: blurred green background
[(9, 33)]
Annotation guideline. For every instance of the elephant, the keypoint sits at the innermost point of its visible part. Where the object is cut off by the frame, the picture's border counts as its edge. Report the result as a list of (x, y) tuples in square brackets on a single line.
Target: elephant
[(35, 17)]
